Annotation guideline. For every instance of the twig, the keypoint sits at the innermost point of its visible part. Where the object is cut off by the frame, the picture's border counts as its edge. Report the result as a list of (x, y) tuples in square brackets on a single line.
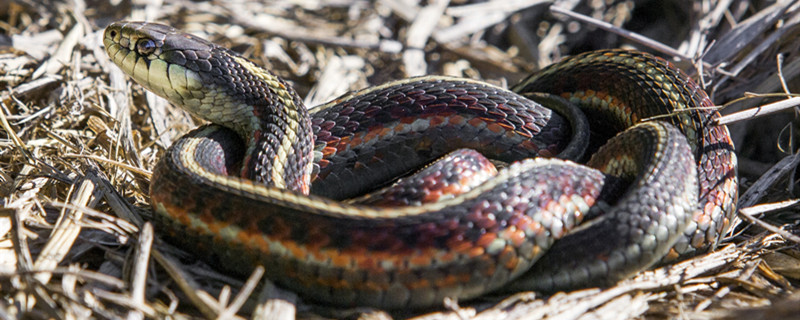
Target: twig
[(244, 293), (756, 112), (418, 34), (144, 173), (658, 46), (140, 266), (66, 231), (768, 179), (750, 212)]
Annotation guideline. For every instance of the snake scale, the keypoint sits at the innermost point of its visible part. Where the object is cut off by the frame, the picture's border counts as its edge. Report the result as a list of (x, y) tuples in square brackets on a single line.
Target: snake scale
[(269, 182)]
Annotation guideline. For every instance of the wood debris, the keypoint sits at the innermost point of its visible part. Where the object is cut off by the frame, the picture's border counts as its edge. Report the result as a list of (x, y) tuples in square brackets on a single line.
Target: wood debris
[(78, 141)]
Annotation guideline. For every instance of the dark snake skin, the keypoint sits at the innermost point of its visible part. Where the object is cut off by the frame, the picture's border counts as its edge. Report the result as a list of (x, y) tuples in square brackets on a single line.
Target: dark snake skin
[(658, 189)]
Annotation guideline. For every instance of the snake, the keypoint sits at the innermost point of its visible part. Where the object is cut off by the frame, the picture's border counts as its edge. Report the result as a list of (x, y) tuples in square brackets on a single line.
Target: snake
[(271, 182)]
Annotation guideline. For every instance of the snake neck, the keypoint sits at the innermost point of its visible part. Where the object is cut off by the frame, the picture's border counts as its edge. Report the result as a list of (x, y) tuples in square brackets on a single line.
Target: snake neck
[(265, 112), (279, 135), (220, 86)]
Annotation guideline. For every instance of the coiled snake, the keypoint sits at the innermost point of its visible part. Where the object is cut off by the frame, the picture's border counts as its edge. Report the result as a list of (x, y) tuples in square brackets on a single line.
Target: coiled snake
[(266, 183)]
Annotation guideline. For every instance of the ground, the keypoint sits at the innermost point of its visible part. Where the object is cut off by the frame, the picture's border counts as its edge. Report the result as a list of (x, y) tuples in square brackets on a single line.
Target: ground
[(79, 140)]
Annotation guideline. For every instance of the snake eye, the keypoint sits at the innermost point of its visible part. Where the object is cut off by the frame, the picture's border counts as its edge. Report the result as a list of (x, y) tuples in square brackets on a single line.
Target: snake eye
[(145, 46)]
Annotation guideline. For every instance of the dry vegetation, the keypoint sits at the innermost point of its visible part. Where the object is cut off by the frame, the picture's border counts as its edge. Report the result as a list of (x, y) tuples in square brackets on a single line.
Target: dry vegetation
[(78, 141)]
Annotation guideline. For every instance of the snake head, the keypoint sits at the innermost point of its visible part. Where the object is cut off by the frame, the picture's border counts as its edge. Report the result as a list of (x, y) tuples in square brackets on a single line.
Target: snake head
[(161, 58), (209, 81), (220, 86), (174, 65)]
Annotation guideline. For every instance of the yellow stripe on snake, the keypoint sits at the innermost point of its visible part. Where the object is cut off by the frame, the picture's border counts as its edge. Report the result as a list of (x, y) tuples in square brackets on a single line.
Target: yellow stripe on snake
[(270, 183)]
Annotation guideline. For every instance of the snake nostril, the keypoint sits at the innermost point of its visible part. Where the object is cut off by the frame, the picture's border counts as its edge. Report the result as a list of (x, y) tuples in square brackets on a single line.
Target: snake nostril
[(112, 33), (145, 46)]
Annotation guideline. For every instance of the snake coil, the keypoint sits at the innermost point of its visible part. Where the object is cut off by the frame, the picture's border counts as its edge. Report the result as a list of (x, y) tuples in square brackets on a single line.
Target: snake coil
[(266, 182)]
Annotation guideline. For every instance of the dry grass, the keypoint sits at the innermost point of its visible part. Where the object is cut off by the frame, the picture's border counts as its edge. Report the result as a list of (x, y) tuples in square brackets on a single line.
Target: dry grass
[(78, 141)]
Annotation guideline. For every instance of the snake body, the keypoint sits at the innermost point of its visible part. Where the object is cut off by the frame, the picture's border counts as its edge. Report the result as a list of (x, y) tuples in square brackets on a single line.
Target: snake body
[(264, 184)]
